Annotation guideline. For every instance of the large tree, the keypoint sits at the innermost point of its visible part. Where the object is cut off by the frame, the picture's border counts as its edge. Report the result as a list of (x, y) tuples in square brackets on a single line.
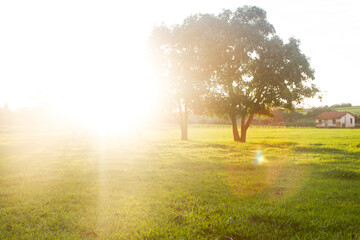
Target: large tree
[(279, 76), (235, 38), (255, 70), (181, 58)]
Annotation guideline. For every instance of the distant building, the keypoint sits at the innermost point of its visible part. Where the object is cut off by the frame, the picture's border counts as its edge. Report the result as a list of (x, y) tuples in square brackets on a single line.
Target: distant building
[(335, 120)]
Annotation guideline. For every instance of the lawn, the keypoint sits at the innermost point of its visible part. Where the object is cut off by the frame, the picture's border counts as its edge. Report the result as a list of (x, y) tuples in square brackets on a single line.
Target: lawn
[(54, 184)]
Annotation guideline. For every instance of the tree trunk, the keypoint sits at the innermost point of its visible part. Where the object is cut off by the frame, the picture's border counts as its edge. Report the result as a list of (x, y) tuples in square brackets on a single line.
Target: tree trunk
[(182, 118), (243, 130), (184, 131), (184, 126), (244, 126), (235, 128)]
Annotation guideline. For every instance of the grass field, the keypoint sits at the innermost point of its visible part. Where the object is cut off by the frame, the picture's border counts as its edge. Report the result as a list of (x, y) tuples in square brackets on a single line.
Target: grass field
[(57, 185), (353, 109)]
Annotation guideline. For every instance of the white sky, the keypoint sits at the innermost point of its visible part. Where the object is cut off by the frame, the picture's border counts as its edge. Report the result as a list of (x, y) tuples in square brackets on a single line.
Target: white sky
[(90, 54)]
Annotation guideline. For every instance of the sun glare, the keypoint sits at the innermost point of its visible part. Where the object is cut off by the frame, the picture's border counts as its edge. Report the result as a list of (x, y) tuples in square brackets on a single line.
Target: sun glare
[(113, 108), (89, 68)]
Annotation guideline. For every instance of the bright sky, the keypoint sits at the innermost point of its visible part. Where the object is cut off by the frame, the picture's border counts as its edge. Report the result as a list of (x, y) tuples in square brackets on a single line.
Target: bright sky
[(86, 55)]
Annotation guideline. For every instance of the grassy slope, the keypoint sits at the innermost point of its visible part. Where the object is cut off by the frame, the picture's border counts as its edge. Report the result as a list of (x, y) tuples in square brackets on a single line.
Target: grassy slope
[(353, 109), (55, 185)]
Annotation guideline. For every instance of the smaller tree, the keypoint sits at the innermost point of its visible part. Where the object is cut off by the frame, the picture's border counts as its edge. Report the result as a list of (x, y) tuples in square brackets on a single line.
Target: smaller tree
[(180, 56)]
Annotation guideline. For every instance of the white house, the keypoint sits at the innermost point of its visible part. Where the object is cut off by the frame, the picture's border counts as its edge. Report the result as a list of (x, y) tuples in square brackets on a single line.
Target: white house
[(335, 120)]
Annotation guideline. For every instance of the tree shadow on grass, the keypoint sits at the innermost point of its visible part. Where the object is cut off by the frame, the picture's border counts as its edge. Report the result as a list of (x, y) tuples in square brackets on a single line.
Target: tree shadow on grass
[(195, 144), (339, 162), (342, 174), (277, 145), (327, 151)]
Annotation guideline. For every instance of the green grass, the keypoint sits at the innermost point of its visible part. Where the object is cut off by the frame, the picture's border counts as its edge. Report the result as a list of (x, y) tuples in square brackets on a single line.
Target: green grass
[(353, 109), (57, 185)]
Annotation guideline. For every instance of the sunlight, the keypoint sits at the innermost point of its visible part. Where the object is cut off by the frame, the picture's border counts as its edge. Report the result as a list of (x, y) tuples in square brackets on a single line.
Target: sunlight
[(89, 68), (111, 108)]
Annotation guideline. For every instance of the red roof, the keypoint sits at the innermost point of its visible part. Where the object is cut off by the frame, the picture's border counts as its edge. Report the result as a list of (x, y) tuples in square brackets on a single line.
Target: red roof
[(331, 115)]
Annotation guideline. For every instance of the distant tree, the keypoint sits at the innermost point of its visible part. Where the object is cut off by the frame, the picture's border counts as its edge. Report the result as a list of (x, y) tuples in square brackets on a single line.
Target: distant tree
[(291, 116), (181, 60), (6, 115), (357, 120), (6, 108), (256, 71), (313, 112), (341, 105)]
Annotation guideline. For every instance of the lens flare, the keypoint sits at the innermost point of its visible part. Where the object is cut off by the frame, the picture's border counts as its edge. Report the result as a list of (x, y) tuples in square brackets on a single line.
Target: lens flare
[(259, 158)]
